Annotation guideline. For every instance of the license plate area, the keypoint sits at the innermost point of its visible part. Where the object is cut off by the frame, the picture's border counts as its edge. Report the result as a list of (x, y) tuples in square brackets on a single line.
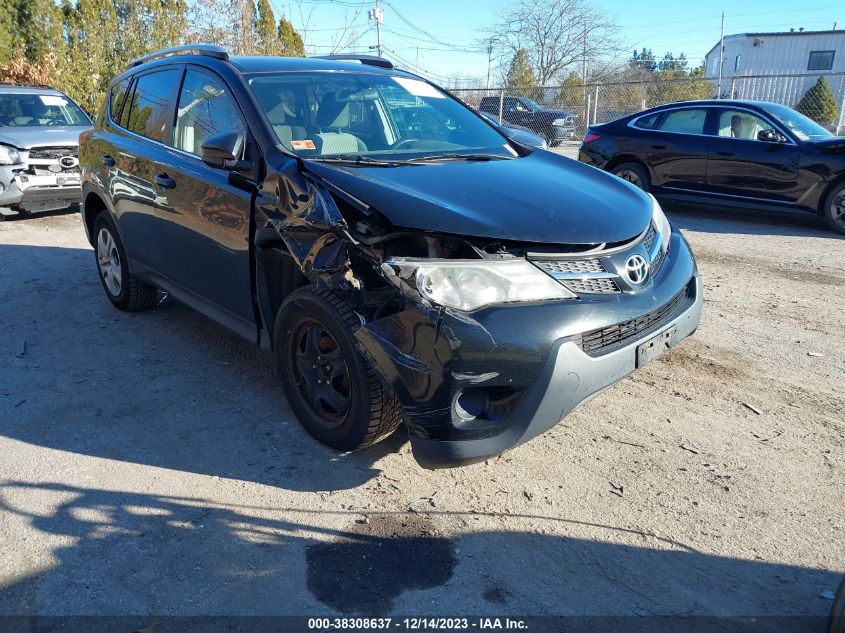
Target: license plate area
[(655, 346), (72, 178)]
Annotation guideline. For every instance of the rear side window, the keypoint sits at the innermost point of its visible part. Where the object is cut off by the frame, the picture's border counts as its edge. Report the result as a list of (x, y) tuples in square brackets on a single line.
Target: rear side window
[(149, 107), (116, 98), (205, 109), (684, 121), (647, 122)]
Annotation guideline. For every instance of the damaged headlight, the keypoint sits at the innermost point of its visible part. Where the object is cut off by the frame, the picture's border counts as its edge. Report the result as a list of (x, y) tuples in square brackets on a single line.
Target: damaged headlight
[(661, 222), (469, 284), (9, 155)]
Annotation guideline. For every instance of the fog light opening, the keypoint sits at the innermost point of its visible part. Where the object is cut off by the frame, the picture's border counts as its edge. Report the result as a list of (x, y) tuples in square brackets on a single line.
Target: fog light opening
[(485, 405), (471, 404)]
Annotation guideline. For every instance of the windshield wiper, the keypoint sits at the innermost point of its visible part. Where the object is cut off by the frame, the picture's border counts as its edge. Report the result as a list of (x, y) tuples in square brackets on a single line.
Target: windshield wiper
[(456, 156), (358, 160)]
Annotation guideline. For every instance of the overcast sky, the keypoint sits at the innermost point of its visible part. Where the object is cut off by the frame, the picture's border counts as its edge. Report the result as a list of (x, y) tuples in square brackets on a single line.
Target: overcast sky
[(448, 32)]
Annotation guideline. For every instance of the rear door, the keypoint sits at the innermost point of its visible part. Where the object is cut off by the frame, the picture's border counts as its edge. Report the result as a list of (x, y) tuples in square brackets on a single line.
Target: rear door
[(743, 165), (130, 160), (206, 218), (675, 145)]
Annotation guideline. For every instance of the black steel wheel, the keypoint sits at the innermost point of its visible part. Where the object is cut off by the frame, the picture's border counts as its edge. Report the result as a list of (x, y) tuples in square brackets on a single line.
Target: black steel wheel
[(633, 173), (329, 383)]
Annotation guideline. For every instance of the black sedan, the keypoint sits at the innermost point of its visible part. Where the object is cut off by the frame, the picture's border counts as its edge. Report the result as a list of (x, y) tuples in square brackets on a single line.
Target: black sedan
[(732, 153)]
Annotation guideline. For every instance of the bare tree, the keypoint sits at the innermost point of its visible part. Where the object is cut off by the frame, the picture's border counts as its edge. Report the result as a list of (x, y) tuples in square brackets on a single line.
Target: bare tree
[(558, 35)]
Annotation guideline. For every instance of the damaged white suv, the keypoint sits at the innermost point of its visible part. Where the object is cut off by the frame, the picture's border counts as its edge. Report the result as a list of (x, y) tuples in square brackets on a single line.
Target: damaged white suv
[(39, 137)]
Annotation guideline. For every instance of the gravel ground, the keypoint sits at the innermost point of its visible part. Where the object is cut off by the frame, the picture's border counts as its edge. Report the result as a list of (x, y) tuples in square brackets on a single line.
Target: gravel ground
[(149, 463)]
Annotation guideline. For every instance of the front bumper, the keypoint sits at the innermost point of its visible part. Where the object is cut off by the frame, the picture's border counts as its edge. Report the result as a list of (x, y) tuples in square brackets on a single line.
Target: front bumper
[(533, 351), (23, 192)]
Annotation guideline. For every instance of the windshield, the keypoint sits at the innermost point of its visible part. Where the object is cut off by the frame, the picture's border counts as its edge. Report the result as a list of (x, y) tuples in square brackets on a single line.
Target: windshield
[(322, 114), (532, 104), (801, 126), (18, 110)]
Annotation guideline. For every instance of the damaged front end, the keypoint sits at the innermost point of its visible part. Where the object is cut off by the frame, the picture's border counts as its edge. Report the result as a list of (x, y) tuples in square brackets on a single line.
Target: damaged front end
[(481, 345)]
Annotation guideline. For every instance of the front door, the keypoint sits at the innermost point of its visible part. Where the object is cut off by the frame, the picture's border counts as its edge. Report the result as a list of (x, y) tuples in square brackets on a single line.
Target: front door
[(743, 164), (207, 216)]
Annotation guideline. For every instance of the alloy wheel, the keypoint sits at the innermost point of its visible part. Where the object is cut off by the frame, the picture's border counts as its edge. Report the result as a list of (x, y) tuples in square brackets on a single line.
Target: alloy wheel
[(630, 176), (837, 209), (320, 373), (108, 259)]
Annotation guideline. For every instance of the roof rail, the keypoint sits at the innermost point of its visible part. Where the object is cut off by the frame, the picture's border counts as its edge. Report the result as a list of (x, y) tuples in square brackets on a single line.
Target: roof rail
[(209, 50), (367, 60)]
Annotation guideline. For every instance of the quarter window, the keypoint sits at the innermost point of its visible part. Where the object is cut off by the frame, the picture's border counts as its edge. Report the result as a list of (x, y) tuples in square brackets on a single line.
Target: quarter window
[(116, 97), (739, 124), (647, 122), (684, 121), (205, 109), (820, 60), (150, 104)]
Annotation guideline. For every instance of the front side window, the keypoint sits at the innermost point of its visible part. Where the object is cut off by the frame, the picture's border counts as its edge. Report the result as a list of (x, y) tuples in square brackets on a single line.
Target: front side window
[(820, 60), (740, 124), (37, 110), (684, 121), (361, 113), (205, 109), (149, 107)]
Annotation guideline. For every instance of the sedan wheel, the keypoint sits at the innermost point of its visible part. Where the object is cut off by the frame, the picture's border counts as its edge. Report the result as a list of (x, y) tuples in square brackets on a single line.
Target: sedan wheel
[(633, 173), (836, 210)]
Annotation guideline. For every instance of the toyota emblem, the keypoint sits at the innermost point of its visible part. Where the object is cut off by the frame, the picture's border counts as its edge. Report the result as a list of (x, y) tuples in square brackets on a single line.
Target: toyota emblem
[(637, 269), (69, 161)]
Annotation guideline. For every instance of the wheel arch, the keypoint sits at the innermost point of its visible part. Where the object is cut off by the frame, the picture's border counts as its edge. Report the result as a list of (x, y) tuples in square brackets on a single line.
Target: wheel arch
[(627, 158), (92, 205), (837, 181)]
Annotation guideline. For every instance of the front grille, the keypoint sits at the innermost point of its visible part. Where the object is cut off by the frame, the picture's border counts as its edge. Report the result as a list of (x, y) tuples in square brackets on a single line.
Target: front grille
[(603, 339), (51, 153), (591, 285), (571, 266), (657, 261)]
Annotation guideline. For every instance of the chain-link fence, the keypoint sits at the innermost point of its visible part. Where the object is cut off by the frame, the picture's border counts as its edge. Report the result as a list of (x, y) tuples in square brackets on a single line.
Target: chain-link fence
[(570, 109)]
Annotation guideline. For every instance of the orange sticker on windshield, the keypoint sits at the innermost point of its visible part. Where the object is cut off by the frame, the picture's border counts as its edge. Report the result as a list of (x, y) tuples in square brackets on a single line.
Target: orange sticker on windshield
[(303, 144)]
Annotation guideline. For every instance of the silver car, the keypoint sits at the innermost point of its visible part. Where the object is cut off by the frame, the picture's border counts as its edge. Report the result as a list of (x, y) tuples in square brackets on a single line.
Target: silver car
[(39, 139)]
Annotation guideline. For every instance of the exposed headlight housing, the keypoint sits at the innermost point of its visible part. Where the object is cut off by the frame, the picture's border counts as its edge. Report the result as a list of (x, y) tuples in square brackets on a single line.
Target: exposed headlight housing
[(560, 122), (661, 223), (9, 155), (472, 284)]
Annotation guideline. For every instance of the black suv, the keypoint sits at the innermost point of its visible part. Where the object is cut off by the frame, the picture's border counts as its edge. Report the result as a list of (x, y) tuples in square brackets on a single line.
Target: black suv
[(403, 260), (553, 125)]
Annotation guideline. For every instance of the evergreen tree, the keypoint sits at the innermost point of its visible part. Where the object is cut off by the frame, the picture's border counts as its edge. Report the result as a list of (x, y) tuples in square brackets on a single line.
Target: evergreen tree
[(267, 40), (571, 92), (290, 41), (643, 60), (521, 77), (818, 103)]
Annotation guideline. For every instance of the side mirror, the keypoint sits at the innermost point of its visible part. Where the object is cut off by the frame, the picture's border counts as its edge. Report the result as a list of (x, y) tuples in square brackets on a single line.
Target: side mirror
[(771, 136), (223, 150)]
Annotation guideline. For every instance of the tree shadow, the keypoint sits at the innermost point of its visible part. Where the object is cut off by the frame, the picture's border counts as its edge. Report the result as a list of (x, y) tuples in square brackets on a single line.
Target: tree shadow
[(166, 387), (116, 553)]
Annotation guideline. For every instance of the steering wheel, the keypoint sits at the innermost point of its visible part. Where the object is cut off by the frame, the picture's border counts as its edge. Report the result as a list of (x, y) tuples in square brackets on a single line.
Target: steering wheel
[(401, 144)]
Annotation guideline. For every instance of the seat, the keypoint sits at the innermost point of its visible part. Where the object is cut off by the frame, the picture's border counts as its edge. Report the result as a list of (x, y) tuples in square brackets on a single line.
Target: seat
[(23, 120), (334, 115)]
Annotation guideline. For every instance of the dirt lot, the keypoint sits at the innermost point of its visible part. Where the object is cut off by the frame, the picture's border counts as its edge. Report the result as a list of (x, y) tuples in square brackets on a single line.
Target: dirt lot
[(150, 464)]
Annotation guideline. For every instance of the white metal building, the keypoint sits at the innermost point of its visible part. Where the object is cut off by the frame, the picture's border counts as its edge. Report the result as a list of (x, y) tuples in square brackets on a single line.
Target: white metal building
[(780, 67)]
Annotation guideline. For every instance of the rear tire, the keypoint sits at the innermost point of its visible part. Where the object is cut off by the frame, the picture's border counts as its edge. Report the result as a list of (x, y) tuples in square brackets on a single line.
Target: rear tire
[(123, 289), (633, 173), (833, 210), (329, 384)]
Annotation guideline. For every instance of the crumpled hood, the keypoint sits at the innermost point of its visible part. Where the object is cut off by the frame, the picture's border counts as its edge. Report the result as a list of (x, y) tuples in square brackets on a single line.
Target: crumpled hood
[(25, 137), (542, 198)]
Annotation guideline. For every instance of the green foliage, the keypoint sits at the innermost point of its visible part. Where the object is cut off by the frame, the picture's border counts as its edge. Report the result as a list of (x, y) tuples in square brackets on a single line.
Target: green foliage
[(644, 60), (571, 91), (818, 103), (521, 78), (291, 41)]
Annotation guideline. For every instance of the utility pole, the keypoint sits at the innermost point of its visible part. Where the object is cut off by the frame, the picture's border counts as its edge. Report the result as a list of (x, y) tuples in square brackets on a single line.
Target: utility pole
[(418, 59), (721, 56), (377, 15), (489, 60)]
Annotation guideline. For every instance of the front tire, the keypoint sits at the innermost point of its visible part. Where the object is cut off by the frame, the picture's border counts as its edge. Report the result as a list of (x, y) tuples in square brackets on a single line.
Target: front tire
[(329, 384), (633, 173), (123, 289), (834, 208)]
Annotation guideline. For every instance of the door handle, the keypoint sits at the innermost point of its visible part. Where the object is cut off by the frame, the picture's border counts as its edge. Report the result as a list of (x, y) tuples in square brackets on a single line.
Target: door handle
[(107, 160), (164, 181)]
